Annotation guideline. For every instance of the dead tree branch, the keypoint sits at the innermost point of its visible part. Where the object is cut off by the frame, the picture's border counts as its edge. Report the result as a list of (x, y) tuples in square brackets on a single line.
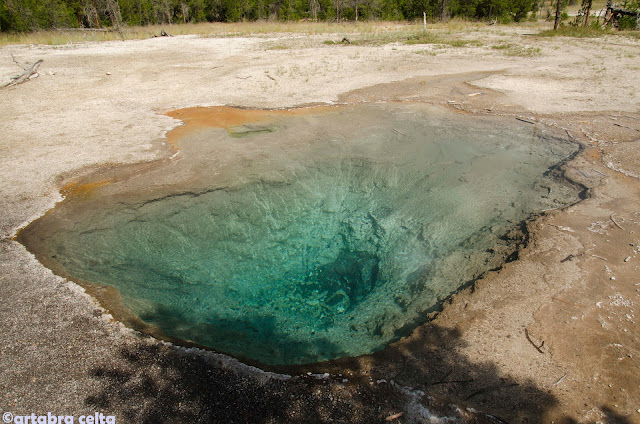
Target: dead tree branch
[(614, 221), (490, 389), (29, 73), (24, 67), (538, 348)]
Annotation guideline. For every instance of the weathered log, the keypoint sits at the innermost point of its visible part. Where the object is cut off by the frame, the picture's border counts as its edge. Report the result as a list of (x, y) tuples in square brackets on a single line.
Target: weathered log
[(25, 76), (613, 14), (617, 11)]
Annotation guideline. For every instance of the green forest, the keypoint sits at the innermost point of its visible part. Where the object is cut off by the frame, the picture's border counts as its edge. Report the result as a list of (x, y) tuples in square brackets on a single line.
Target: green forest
[(33, 15)]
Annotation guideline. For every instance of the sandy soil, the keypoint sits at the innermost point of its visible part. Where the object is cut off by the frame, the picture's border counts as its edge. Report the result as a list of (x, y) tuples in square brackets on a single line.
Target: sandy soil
[(551, 337)]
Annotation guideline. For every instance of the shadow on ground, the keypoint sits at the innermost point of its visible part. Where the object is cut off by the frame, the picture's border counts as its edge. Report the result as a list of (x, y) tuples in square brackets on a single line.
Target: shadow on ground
[(161, 384), (430, 362)]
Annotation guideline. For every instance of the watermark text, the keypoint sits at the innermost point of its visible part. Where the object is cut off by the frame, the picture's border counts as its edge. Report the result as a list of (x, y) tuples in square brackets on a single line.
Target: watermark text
[(96, 418)]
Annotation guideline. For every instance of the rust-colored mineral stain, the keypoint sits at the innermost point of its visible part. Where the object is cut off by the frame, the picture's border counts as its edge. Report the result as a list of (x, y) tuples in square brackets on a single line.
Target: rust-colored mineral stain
[(78, 189), (227, 117), (593, 153)]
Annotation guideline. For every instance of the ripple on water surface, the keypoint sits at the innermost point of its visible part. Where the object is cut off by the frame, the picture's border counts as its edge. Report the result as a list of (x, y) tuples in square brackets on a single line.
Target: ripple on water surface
[(302, 237)]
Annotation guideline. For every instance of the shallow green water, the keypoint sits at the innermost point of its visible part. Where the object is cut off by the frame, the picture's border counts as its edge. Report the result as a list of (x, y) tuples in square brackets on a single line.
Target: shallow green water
[(313, 237)]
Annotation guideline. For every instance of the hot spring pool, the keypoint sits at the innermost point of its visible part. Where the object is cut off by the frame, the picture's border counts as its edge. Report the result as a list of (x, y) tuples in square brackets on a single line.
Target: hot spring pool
[(310, 236)]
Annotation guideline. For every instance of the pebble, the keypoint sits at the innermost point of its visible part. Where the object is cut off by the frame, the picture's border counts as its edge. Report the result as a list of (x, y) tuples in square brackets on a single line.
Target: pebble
[(627, 259), (613, 278)]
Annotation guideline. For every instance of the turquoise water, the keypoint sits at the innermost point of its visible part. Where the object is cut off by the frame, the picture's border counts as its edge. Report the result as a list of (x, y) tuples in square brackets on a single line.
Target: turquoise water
[(315, 237)]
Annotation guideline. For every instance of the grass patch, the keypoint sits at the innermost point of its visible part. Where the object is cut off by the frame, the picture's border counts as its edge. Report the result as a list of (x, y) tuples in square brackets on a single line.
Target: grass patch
[(441, 39), (516, 50), (576, 31), (502, 46), (630, 34), (279, 46), (427, 52)]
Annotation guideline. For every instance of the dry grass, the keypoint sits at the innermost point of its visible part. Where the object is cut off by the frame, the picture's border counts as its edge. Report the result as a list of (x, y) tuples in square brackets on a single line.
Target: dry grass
[(58, 37), (454, 33), (510, 49), (372, 33), (576, 32)]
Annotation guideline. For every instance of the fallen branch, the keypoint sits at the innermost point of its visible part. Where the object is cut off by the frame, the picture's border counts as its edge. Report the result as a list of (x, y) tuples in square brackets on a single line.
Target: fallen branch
[(566, 303), (394, 416), (538, 348), (525, 120), (18, 63), (614, 221), (490, 389), (569, 134), (560, 380), (29, 73), (568, 258), (453, 382), (624, 126), (595, 140), (444, 380)]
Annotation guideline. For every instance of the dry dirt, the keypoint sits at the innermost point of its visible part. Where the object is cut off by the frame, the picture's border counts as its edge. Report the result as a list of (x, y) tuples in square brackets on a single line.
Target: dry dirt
[(551, 337)]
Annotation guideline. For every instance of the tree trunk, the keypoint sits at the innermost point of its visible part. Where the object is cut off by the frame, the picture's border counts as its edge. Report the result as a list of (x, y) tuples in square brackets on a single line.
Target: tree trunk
[(313, 5), (558, 13), (114, 14), (587, 13)]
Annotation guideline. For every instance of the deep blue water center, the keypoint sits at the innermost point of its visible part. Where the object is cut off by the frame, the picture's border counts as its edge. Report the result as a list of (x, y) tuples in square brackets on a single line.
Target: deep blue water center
[(311, 237)]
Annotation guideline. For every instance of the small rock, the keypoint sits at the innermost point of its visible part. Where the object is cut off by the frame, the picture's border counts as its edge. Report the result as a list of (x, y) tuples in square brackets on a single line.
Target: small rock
[(627, 259), (613, 278), (108, 73)]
